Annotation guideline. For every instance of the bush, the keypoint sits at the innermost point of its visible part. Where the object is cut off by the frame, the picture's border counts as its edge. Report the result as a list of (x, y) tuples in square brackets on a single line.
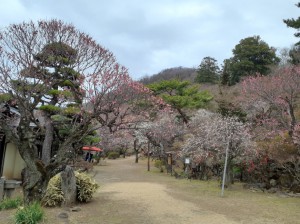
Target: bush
[(11, 203), (86, 187), (113, 155), (30, 214), (159, 164), (54, 195)]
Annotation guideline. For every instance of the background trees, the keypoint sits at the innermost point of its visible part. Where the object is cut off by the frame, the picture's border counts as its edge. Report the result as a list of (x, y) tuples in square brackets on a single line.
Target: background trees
[(272, 108), (208, 71), (273, 99), (181, 95), (252, 55), (294, 23), (212, 134)]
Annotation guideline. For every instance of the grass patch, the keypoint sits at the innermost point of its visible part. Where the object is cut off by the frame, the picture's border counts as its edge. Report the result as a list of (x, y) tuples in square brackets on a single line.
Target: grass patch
[(11, 203), (30, 214)]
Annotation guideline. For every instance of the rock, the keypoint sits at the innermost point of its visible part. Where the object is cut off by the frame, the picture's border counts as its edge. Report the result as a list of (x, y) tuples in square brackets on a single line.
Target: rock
[(295, 188), (272, 190), (68, 185), (63, 215), (285, 180), (75, 209), (273, 182)]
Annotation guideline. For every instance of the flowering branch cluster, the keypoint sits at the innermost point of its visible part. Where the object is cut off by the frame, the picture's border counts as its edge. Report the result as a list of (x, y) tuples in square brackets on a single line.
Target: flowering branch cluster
[(211, 133)]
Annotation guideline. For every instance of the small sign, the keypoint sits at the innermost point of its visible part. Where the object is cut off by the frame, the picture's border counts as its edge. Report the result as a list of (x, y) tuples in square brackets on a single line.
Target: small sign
[(187, 160)]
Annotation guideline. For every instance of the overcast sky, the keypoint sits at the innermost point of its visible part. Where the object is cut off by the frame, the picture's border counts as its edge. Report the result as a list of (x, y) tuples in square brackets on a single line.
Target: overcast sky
[(147, 36)]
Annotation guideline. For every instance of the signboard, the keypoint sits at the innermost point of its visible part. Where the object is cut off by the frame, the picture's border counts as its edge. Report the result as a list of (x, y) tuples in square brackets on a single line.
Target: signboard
[(187, 161)]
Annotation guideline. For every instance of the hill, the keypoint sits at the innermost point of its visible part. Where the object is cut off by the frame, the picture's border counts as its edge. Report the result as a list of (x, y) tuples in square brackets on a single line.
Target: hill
[(180, 73)]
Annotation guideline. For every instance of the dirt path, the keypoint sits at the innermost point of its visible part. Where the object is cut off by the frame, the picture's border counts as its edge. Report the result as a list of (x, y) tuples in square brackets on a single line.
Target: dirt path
[(152, 202), (129, 194)]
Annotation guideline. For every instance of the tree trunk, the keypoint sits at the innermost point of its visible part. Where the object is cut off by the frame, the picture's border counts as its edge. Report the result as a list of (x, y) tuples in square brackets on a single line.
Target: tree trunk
[(229, 174), (34, 185), (136, 151), (293, 118), (148, 156), (47, 143), (68, 186), (136, 156), (34, 177)]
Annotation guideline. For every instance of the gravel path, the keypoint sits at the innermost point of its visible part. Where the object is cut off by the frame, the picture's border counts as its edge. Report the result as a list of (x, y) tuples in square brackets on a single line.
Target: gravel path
[(128, 194), (146, 199)]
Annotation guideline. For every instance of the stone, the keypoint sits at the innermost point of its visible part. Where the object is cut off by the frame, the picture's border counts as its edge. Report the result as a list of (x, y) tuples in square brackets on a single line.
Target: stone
[(68, 186), (273, 182), (63, 215), (75, 209)]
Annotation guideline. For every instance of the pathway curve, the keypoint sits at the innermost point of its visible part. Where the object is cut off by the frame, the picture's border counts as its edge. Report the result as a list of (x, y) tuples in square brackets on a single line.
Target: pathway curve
[(139, 197)]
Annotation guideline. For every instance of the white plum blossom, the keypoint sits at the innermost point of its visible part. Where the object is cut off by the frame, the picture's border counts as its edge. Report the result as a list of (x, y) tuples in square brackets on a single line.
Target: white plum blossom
[(211, 133)]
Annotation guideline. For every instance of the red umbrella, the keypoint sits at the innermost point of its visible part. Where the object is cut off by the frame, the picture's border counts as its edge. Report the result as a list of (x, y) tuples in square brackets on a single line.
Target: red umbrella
[(92, 148)]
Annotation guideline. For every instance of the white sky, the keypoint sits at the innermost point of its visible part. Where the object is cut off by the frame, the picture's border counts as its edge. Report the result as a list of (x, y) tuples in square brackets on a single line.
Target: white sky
[(147, 36)]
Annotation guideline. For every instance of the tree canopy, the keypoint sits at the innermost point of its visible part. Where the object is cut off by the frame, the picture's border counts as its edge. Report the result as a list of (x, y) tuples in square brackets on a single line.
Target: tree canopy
[(208, 71), (252, 55), (181, 95), (294, 23)]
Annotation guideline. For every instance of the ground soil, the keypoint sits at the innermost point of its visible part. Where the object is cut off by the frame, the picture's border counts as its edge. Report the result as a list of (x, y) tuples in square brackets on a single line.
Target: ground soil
[(129, 194)]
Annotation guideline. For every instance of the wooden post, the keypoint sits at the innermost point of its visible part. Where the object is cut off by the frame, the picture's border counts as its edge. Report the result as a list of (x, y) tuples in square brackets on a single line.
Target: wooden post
[(148, 156), (225, 165), (171, 163)]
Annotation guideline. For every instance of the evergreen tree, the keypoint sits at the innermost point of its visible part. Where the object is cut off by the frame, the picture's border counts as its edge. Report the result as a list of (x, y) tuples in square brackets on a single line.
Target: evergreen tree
[(252, 55), (181, 95), (294, 23), (208, 71)]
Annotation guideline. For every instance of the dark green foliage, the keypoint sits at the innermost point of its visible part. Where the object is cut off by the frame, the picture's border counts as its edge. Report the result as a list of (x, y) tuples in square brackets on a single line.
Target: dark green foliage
[(225, 74), (10, 203), (228, 109), (50, 108), (294, 54), (180, 95), (31, 214), (113, 155), (251, 56), (208, 71), (57, 54), (294, 23), (91, 139)]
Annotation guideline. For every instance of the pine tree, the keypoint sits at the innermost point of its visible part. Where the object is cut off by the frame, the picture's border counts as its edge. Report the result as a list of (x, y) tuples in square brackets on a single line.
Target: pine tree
[(294, 23)]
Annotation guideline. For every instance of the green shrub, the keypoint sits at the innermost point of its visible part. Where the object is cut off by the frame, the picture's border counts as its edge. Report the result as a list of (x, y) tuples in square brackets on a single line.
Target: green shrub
[(113, 155), (30, 214), (11, 203), (159, 164)]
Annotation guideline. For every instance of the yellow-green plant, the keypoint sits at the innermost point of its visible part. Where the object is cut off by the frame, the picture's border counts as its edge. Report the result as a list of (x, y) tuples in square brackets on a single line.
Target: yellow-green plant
[(54, 195), (85, 185)]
